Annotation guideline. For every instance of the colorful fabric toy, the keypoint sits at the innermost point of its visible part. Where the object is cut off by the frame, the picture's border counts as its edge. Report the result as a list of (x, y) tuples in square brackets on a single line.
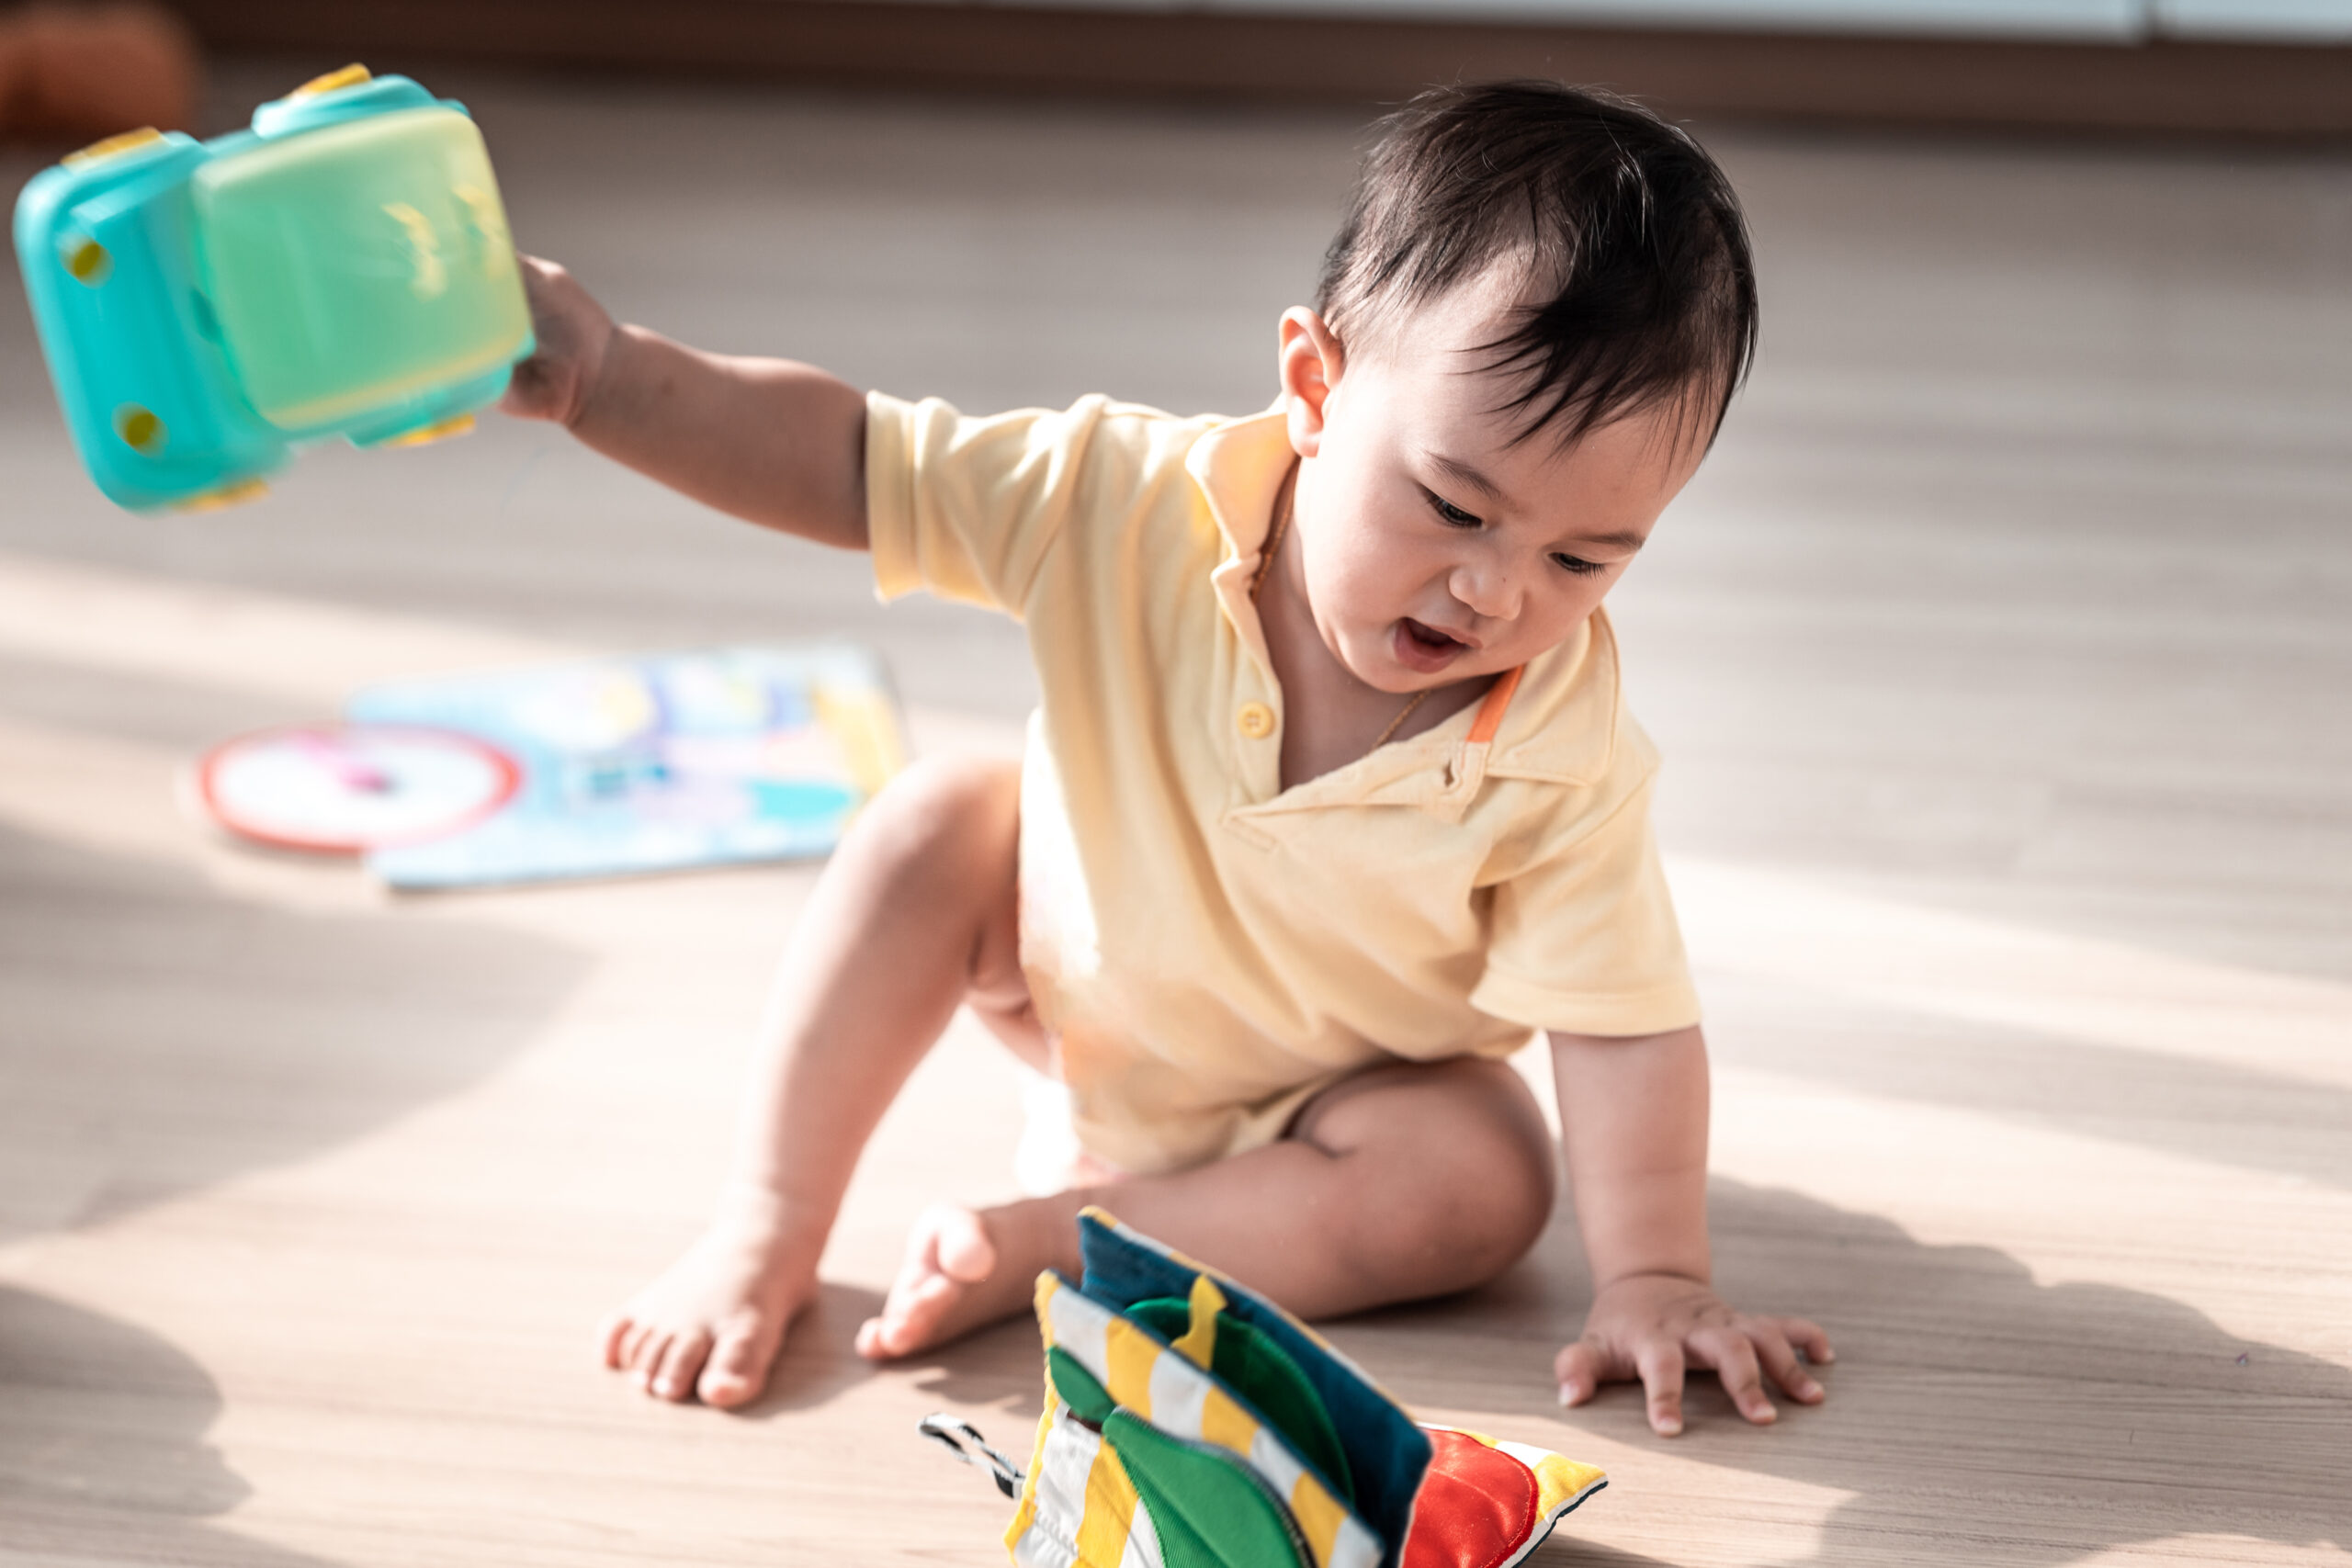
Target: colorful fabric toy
[(1190, 1424)]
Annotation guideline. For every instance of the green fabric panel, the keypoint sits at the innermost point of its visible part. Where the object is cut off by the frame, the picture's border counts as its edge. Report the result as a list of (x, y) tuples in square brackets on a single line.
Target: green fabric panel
[(1249, 1363), (1168, 1316), (1386, 1453), (1179, 1545), (1202, 1492), (1076, 1387)]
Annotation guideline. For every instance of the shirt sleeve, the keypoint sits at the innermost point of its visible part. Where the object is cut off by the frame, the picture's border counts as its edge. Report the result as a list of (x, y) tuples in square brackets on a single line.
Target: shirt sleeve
[(1583, 937), (965, 508)]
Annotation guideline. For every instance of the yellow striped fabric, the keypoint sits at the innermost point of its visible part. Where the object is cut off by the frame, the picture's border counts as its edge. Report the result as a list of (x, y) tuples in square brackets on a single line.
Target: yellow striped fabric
[(1111, 1504), (1184, 1401)]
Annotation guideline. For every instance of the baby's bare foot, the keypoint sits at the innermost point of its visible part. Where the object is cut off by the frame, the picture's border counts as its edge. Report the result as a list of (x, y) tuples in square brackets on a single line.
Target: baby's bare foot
[(955, 1278), (712, 1323)]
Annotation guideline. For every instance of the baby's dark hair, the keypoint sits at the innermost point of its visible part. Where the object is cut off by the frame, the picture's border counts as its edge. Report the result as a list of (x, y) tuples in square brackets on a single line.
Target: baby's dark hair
[(1620, 219)]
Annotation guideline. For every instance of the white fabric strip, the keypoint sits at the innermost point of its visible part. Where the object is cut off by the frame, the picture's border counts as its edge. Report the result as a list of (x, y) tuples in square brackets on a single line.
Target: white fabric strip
[(1082, 1327), (1274, 1462), (1143, 1542), (1178, 1393), (1062, 1469), (1355, 1546)]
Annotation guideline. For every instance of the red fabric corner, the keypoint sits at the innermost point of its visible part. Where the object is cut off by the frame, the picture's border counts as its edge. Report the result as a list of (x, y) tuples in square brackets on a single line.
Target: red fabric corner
[(1475, 1508)]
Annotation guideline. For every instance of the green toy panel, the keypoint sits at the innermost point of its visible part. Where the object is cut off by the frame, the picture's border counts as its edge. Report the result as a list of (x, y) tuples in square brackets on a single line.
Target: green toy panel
[(358, 265), (1076, 1387), (1253, 1365), (1386, 1454), (1206, 1509)]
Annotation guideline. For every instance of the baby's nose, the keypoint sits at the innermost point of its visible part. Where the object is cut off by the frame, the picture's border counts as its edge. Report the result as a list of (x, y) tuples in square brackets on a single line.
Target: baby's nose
[(1491, 595)]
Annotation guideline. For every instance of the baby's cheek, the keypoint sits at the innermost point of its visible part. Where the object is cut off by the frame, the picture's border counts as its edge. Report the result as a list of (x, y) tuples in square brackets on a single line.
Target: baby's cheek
[(1561, 617)]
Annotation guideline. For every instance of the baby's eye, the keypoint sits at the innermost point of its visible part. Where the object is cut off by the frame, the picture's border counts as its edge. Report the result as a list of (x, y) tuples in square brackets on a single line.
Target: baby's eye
[(1576, 564), (1450, 512)]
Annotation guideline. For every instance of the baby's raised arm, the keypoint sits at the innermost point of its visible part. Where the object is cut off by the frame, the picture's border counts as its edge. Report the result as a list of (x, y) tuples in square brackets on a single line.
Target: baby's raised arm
[(773, 442)]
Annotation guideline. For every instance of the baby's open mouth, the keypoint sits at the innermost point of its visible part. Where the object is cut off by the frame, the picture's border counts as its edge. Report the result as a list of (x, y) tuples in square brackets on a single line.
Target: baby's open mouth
[(1426, 649)]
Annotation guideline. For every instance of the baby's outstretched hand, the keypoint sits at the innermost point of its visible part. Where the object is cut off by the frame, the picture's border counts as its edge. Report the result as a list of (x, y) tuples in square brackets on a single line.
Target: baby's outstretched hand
[(573, 333), (1652, 1325)]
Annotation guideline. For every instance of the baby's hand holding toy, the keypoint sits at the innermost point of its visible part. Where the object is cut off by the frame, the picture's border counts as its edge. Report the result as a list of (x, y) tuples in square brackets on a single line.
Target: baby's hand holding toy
[(573, 332)]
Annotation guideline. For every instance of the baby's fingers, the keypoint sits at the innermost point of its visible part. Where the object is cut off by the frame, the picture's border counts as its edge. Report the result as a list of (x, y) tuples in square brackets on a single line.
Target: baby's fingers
[(1727, 1350), (1582, 1368), (1807, 1336), (1660, 1363), (1780, 1362)]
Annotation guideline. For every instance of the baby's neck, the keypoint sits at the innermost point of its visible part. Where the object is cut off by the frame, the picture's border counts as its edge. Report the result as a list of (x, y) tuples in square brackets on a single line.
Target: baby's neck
[(1329, 717)]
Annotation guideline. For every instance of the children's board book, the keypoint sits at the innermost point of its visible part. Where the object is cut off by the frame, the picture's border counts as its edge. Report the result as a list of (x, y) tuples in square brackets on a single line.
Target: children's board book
[(601, 768)]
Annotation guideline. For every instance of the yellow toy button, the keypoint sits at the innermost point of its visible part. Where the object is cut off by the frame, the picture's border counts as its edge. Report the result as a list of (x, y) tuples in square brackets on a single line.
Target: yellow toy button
[(88, 262), (140, 429), (114, 146), (351, 75), (439, 430), (1256, 719), (233, 494)]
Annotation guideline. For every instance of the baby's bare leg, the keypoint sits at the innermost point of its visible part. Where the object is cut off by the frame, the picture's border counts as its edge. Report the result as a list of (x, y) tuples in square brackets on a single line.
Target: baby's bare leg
[(915, 908), (1400, 1182)]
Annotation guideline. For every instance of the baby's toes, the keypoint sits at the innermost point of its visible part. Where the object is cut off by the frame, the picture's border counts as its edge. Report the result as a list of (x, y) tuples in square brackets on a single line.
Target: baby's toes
[(614, 1335), (739, 1364), (638, 1339), (672, 1377), (645, 1356), (912, 1309)]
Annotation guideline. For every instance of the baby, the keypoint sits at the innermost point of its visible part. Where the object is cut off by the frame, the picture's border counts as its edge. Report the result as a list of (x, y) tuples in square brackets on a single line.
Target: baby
[(1330, 802)]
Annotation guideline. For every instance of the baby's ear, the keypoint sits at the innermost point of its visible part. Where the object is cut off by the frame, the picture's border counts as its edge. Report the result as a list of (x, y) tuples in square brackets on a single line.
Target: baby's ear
[(1309, 361)]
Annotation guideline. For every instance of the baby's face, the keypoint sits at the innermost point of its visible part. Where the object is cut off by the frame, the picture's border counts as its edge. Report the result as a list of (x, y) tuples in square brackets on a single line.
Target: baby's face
[(1434, 548)]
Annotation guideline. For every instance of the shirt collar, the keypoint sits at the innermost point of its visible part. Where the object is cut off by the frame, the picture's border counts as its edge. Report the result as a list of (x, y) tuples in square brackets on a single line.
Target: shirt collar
[(1239, 467), (1562, 722)]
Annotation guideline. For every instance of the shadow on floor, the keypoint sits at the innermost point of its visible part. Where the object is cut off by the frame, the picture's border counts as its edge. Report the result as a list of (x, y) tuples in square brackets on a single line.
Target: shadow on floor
[(102, 1455), (162, 1037), (2198, 1109), (1975, 1415), (820, 1358)]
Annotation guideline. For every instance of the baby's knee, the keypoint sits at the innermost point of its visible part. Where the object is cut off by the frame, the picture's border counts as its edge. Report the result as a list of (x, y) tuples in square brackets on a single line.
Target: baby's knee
[(945, 814), (1472, 1193), (1505, 1187)]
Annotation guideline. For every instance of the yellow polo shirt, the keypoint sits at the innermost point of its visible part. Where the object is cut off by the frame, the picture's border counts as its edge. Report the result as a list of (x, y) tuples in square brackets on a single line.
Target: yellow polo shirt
[(1206, 948)]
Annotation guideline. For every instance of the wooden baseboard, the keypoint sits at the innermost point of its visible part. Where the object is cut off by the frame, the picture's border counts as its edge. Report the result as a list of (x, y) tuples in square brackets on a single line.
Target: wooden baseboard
[(2212, 89)]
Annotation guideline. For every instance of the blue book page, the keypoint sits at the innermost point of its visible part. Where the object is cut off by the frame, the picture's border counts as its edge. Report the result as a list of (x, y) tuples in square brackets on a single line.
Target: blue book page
[(657, 762)]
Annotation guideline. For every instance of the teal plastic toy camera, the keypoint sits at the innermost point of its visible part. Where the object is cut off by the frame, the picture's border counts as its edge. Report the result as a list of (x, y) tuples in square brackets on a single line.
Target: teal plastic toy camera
[(342, 269)]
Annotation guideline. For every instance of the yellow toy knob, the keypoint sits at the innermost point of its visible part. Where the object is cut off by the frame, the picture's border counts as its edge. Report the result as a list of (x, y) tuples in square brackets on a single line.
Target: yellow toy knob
[(233, 494), (113, 146), (140, 429), (88, 262), (439, 430), (351, 75)]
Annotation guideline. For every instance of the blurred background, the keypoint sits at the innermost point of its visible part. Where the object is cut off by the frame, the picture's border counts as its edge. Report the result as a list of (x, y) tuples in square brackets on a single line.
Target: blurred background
[(2000, 657)]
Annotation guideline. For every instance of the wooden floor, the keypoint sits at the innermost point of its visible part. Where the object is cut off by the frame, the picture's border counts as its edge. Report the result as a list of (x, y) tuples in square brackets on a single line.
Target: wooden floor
[(2002, 659)]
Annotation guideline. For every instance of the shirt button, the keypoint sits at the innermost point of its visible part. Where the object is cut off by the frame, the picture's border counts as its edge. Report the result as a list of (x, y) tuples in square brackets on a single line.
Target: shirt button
[(1256, 719)]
